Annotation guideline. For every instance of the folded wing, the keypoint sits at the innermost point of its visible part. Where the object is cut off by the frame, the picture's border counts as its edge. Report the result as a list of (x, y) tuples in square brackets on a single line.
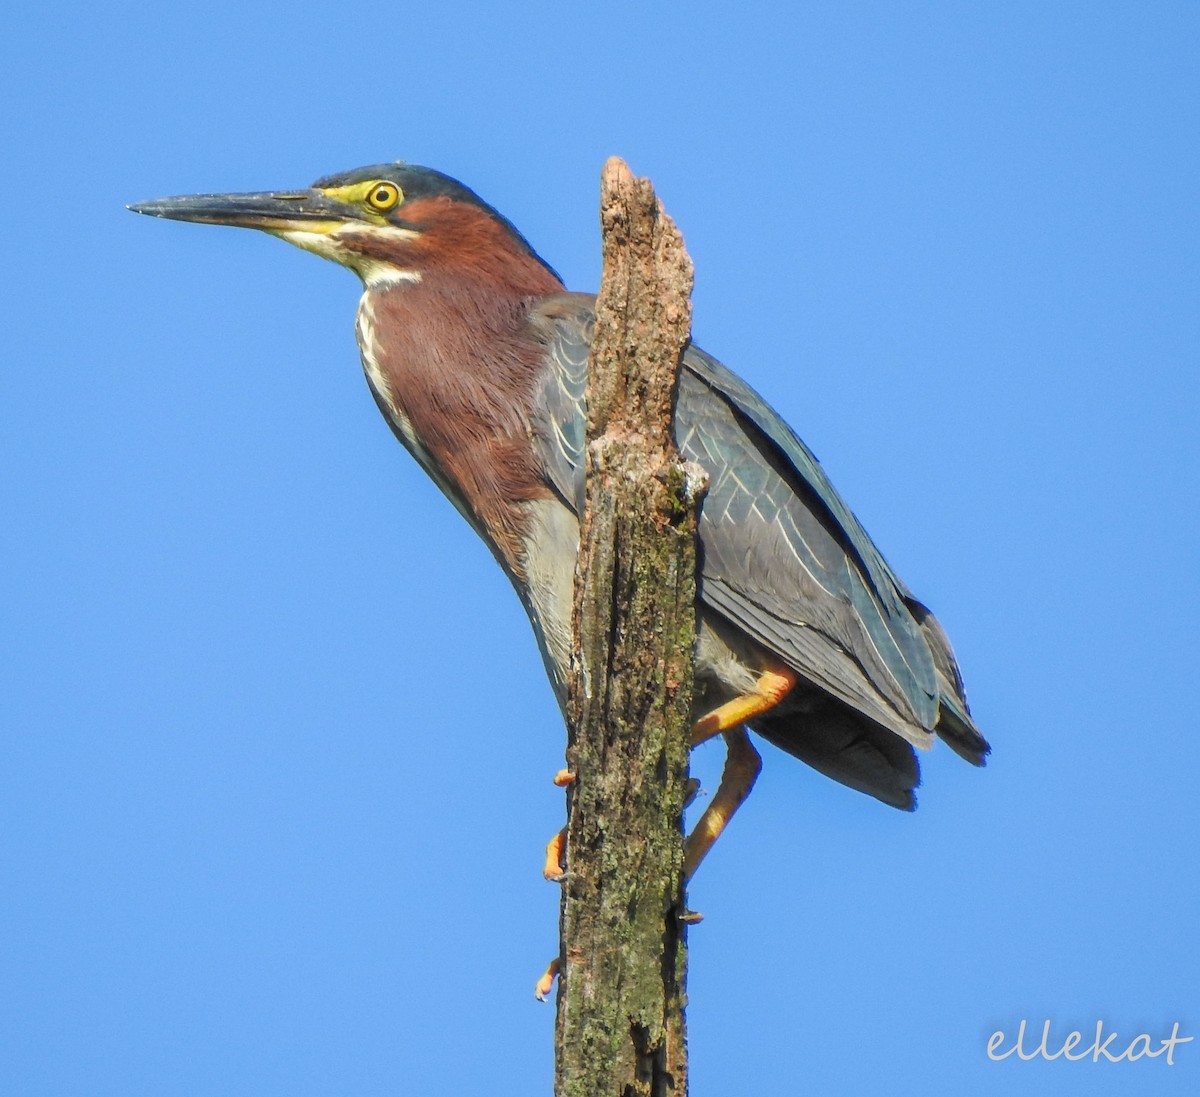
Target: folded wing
[(783, 557)]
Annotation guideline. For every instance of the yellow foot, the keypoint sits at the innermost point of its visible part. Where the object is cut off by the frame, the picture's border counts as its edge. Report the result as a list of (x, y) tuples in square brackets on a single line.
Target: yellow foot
[(544, 985), (563, 778), (553, 870)]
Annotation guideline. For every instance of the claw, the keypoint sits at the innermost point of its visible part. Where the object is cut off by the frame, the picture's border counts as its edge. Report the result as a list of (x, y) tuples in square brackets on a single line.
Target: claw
[(563, 778)]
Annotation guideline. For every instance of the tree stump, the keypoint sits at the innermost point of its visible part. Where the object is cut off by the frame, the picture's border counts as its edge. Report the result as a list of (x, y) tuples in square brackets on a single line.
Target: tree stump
[(620, 1023)]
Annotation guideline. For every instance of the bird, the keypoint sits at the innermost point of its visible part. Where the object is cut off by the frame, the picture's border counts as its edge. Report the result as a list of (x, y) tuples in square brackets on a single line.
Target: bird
[(476, 355)]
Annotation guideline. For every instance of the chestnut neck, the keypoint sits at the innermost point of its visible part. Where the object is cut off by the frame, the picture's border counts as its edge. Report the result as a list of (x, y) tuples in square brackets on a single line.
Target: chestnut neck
[(454, 368)]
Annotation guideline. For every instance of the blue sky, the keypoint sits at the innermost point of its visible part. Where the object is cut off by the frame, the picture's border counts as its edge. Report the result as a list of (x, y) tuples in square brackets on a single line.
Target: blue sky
[(276, 740)]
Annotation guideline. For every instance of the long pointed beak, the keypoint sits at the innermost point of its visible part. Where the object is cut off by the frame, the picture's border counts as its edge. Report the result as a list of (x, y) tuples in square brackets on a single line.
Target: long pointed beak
[(308, 210)]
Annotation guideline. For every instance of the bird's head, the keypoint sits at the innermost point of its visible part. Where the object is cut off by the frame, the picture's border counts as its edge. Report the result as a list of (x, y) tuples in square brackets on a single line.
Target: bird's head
[(389, 223)]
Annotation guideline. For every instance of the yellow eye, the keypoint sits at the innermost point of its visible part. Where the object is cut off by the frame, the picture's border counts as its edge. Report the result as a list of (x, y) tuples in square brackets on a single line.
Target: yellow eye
[(383, 196)]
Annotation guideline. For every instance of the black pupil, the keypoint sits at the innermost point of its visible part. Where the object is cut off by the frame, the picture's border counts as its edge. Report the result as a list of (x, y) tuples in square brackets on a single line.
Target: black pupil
[(382, 195)]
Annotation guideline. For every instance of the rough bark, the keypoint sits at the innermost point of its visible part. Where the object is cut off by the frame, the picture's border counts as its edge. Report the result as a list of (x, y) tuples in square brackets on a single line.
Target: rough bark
[(620, 1025)]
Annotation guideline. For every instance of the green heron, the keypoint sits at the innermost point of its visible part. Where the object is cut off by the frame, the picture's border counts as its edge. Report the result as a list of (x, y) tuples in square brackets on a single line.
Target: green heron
[(477, 358)]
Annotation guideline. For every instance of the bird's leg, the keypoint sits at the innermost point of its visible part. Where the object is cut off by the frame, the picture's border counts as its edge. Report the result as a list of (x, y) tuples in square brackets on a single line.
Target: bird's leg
[(553, 870), (742, 765), (771, 688)]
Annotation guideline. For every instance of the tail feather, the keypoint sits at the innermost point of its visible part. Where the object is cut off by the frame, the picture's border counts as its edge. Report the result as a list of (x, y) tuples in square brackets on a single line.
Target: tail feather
[(850, 749), (954, 725)]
